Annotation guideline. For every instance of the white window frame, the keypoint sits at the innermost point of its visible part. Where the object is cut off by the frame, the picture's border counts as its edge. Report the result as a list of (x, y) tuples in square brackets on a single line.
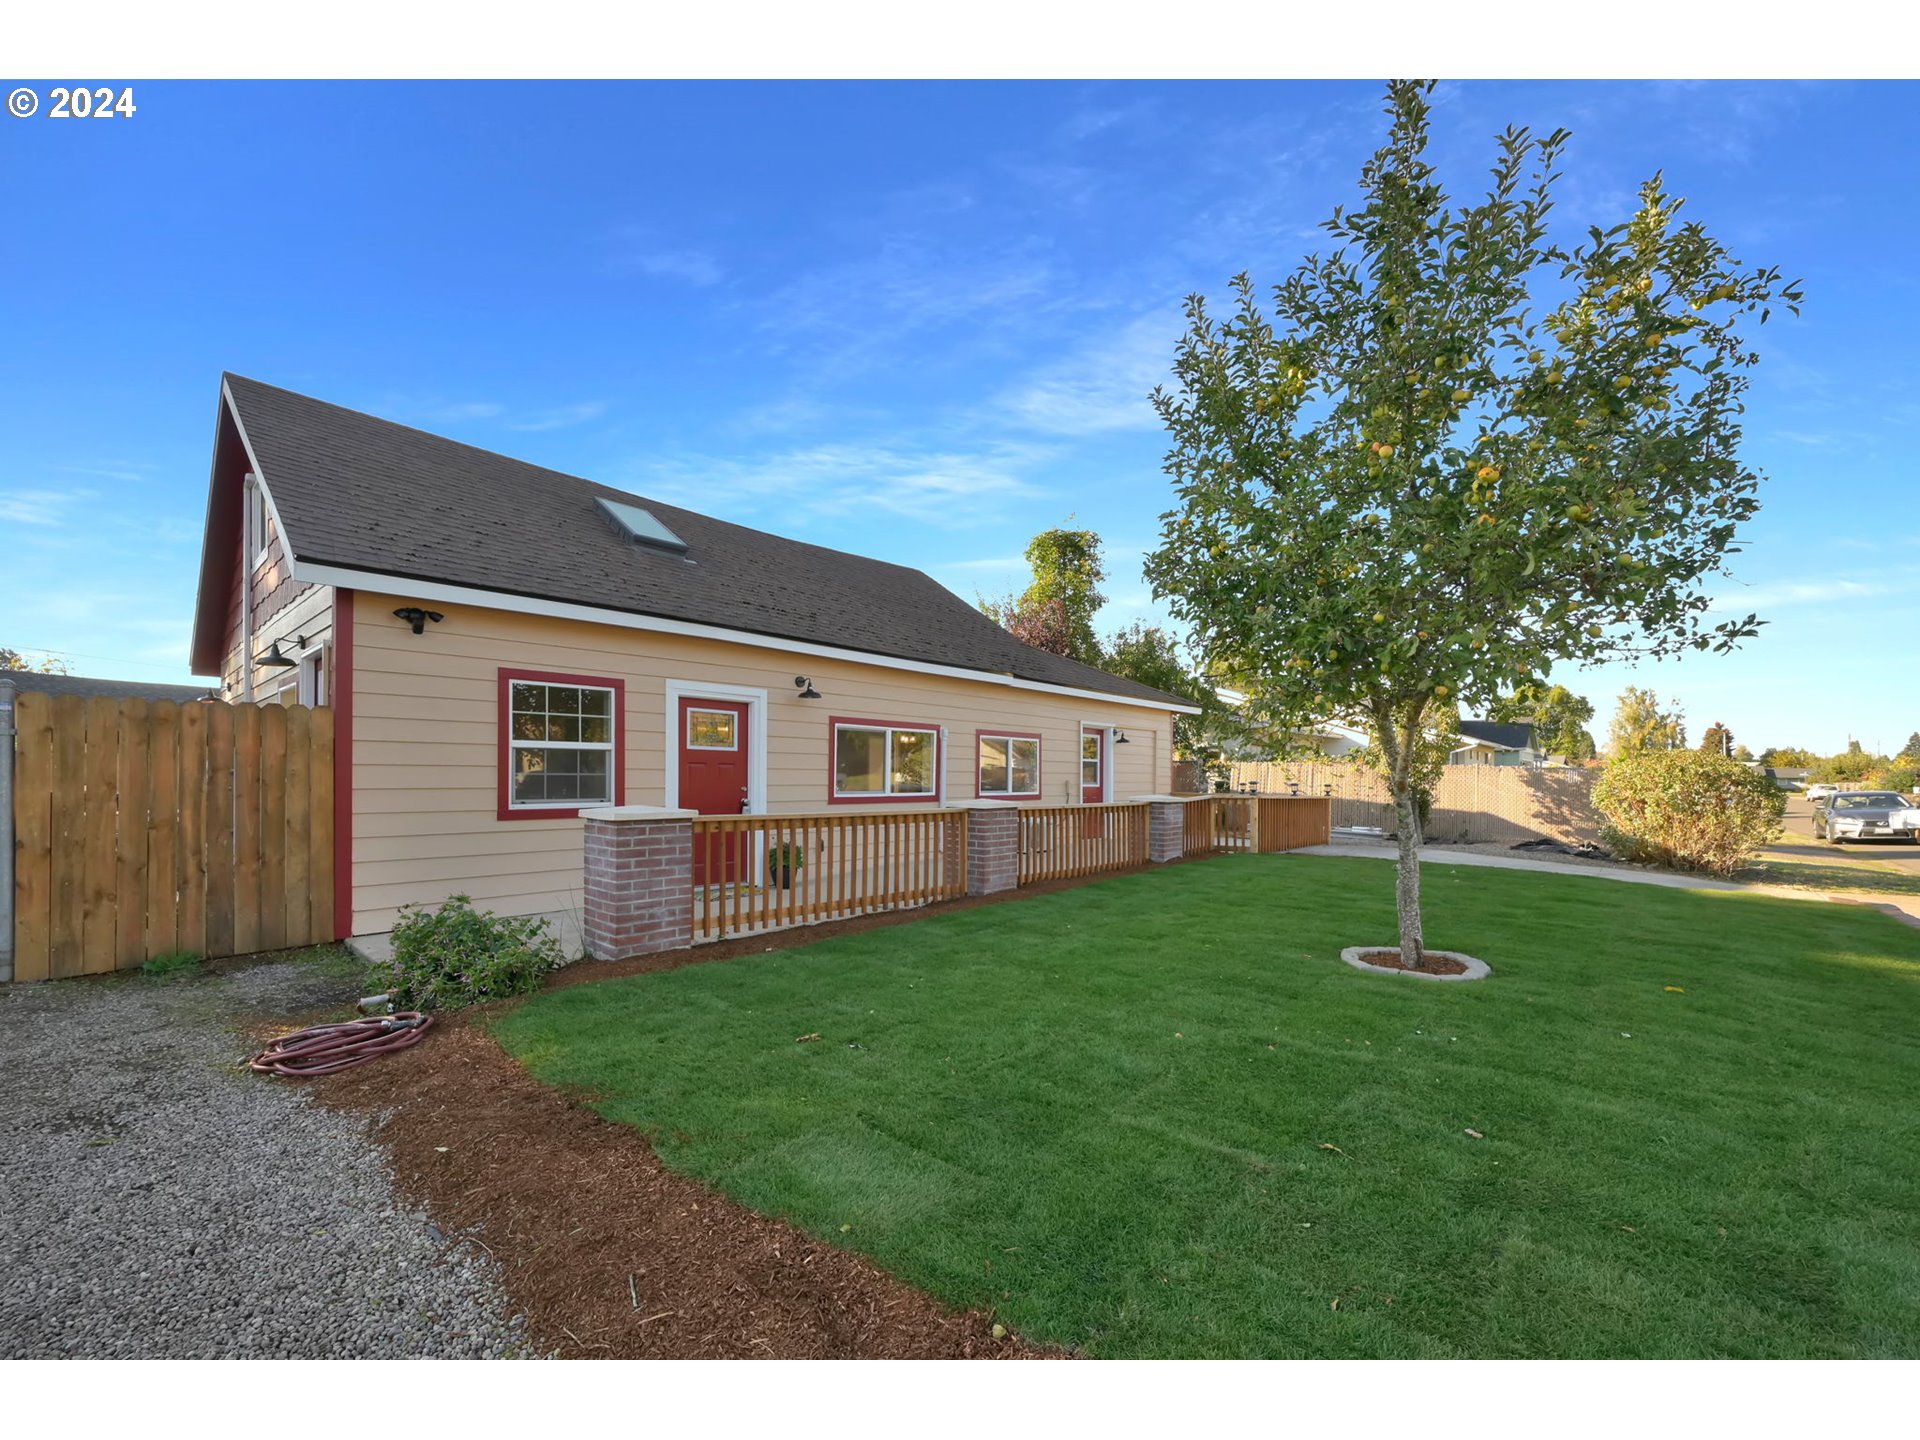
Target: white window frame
[(312, 676), (255, 511), (1104, 734), (979, 765), (930, 796), (611, 745)]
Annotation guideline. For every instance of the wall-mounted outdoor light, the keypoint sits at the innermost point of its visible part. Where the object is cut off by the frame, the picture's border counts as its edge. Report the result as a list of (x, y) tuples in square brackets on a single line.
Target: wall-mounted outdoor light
[(417, 618), (275, 660), (1120, 738), (805, 687)]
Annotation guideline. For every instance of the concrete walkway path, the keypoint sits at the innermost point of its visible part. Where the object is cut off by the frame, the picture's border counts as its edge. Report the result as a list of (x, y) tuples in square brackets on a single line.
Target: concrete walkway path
[(1365, 850), (1905, 908)]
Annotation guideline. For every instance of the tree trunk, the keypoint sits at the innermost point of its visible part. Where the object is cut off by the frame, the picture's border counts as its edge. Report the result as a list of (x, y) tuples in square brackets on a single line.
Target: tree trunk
[(1407, 882)]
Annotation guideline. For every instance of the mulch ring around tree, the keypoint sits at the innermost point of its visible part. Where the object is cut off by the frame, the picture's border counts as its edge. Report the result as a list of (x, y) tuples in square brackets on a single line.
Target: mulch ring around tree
[(607, 1252), (1430, 963)]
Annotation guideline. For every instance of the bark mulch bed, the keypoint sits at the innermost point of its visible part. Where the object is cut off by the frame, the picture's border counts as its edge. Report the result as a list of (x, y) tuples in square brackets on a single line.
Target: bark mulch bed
[(1430, 964), (609, 1253)]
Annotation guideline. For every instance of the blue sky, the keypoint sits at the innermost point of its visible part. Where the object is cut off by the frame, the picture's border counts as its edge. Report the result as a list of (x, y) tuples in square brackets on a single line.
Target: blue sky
[(916, 321)]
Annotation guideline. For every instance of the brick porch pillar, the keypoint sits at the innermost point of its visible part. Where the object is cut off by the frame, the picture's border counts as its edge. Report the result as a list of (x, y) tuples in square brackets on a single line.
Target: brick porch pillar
[(993, 845), (639, 880), (1166, 827)]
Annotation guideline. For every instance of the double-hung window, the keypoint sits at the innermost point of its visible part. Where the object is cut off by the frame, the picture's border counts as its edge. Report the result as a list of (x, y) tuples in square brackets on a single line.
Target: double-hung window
[(560, 747), (878, 760), (1008, 764)]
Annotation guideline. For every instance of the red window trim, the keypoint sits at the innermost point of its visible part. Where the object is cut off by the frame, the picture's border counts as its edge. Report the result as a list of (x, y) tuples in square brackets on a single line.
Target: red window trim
[(503, 752), (1040, 753), (834, 722)]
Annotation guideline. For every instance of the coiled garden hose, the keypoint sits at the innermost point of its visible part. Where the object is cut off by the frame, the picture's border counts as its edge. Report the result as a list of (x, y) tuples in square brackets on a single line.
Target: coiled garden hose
[(323, 1049)]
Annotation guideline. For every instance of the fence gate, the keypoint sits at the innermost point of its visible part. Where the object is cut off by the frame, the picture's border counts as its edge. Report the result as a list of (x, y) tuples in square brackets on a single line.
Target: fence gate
[(144, 827)]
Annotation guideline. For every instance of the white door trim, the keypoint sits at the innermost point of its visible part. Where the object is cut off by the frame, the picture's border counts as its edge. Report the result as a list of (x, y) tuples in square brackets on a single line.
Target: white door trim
[(1107, 733), (678, 690)]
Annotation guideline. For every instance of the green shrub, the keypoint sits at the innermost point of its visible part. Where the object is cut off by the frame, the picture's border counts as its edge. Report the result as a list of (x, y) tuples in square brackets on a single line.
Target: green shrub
[(174, 962), (454, 956), (1687, 810)]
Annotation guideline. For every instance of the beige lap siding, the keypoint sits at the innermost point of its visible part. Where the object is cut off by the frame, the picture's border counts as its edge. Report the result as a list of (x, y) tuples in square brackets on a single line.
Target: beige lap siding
[(426, 743)]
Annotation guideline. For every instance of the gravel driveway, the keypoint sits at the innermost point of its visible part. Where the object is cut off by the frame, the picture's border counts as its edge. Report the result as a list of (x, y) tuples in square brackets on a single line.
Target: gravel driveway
[(156, 1201)]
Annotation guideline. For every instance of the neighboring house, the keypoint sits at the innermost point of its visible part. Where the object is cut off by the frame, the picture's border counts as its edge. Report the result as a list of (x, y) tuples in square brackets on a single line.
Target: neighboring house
[(1336, 742), (89, 688), (505, 645), (1486, 742)]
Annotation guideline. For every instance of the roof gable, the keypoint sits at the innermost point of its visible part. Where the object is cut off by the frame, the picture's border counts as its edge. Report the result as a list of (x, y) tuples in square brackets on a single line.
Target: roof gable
[(361, 493)]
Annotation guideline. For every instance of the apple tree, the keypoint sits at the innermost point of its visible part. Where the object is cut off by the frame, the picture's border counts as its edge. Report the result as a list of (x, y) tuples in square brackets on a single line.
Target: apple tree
[(1454, 452)]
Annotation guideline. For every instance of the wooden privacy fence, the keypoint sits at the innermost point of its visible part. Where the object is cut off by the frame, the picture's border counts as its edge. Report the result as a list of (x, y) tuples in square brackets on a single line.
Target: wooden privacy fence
[(754, 873), (148, 827), (1473, 804), (1058, 842)]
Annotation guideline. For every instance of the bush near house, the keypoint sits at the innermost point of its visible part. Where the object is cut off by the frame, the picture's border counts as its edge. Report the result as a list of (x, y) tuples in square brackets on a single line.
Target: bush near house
[(455, 956), (1686, 810)]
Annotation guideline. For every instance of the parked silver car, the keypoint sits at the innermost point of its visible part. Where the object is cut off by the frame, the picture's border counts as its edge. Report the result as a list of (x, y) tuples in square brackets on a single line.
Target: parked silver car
[(1866, 815)]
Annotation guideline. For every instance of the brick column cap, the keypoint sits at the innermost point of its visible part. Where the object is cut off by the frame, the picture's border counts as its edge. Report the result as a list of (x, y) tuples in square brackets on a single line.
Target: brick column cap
[(1163, 799), (617, 813), (981, 805)]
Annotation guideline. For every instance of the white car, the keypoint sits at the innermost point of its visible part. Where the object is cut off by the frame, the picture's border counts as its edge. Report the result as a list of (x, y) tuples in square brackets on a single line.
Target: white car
[(1817, 793)]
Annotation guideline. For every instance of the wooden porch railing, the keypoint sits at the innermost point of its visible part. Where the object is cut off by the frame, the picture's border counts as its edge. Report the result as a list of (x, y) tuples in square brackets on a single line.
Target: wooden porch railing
[(1264, 824), (1058, 842), (754, 873)]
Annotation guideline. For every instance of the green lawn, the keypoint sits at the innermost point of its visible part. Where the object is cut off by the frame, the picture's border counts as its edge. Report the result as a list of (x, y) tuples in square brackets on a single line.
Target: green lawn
[(1112, 1113)]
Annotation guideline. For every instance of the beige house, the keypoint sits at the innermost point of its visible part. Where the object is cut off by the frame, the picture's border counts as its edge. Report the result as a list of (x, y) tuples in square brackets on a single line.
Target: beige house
[(504, 646)]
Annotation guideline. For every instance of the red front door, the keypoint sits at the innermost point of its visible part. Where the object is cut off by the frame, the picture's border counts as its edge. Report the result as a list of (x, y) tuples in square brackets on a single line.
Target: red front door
[(715, 773), (1093, 774)]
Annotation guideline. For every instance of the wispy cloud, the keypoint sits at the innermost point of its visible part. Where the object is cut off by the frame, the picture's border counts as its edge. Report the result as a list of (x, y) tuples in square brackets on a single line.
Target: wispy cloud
[(945, 488), (457, 411), (36, 507), (1102, 386), (695, 267), (1781, 594), (561, 417)]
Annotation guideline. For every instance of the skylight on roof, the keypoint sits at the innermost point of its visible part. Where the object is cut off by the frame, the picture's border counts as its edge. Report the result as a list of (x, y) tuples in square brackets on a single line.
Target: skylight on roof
[(642, 525)]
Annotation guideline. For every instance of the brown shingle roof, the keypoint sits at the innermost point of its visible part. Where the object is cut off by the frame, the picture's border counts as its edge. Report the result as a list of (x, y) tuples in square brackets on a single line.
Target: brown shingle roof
[(88, 687), (368, 494)]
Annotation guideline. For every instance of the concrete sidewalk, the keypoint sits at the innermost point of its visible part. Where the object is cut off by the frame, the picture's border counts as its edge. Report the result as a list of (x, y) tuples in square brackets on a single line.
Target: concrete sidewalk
[(1439, 855), (1905, 908)]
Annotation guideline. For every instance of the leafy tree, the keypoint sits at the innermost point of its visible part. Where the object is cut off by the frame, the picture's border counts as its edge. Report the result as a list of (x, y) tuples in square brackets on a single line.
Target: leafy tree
[(1742, 753), (1788, 757), (1717, 741), (1910, 752), (1149, 654), (45, 665), (1640, 724), (1558, 716), (1454, 452), (1044, 626), (1854, 766), (1058, 607)]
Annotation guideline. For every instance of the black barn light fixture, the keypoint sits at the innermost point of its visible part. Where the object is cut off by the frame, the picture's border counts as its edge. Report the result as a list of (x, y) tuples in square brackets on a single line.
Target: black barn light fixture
[(805, 686), (275, 660), (417, 618), (1120, 738)]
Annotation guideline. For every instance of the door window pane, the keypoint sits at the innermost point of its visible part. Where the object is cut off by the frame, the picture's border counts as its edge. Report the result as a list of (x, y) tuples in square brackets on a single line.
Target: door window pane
[(712, 729)]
